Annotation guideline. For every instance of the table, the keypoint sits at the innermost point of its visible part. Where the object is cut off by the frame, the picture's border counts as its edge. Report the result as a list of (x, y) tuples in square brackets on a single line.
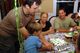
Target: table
[(70, 47)]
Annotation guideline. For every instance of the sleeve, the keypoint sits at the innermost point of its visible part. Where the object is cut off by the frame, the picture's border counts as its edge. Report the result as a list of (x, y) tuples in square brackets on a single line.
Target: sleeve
[(11, 18), (72, 23), (22, 20), (56, 24), (38, 43), (31, 44), (33, 50), (49, 24)]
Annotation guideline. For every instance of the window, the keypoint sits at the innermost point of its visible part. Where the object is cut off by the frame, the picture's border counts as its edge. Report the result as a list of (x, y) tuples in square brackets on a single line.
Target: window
[(68, 6), (71, 6)]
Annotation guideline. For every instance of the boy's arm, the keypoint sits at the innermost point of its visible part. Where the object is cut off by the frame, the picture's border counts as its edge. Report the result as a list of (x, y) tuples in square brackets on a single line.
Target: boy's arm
[(43, 48), (45, 42)]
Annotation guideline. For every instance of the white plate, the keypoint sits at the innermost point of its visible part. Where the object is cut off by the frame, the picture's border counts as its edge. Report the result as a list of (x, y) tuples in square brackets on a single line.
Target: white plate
[(68, 35)]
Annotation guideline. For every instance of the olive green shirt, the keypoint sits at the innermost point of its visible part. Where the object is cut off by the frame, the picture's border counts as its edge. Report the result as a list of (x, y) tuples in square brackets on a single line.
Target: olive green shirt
[(63, 24)]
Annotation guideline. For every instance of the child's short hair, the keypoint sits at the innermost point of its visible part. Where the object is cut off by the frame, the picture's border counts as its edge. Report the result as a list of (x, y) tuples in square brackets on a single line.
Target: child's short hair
[(33, 26)]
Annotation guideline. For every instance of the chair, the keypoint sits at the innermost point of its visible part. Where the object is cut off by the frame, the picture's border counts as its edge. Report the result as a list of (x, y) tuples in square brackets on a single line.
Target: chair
[(37, 20), (51, 19)]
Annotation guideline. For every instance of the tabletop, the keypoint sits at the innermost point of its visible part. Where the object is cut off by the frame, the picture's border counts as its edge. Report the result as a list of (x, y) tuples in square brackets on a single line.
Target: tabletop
[(61, 43)]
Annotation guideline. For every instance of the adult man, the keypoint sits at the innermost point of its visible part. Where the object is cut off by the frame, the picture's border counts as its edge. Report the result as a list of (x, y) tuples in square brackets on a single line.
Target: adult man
[(63, 23), (8, 32)]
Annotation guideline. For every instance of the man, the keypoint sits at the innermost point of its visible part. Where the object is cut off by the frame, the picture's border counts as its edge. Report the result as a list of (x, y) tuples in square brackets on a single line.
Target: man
[(63, 23), (8, 32)]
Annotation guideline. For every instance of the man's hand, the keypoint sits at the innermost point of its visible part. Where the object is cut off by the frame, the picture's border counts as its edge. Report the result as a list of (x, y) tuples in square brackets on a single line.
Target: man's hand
[(24, 32)]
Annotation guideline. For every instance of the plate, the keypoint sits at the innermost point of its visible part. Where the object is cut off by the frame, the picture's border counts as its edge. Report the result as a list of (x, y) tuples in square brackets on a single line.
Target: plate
[(68, 35)]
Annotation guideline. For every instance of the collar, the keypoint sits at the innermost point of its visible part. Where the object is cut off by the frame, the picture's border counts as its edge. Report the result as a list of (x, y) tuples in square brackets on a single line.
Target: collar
[(27, 14)]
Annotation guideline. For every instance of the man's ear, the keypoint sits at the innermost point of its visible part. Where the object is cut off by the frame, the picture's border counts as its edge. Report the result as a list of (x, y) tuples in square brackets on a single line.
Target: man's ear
[(27, 6)]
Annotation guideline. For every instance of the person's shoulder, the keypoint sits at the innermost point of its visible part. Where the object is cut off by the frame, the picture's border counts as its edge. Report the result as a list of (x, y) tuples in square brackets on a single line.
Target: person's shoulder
[(56, 19), (32, 38), (13, 11), (69, 18), (47, 21)]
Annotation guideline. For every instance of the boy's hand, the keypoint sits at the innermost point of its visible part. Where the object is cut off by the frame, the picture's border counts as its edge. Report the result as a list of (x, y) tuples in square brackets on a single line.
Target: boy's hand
[(48, 46)]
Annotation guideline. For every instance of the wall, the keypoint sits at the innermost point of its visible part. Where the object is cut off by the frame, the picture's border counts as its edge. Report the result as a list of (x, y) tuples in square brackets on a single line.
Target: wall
[(47, 6)]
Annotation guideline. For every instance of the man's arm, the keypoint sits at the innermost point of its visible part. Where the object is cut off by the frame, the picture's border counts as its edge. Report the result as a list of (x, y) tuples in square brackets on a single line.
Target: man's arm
[(62, 30), (24, 32), (78, 27)]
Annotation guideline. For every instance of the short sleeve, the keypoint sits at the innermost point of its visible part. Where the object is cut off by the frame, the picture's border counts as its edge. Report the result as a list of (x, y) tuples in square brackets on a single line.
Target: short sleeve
[(38, 43), (49, 24), (12, 18), (72, 23)]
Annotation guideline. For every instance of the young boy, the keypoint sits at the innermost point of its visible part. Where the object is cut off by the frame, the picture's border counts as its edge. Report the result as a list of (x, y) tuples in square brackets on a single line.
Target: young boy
[(32, 43)]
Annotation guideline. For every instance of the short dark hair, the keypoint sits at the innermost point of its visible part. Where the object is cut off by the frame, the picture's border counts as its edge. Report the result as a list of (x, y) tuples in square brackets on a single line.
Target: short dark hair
[(33, 27), (62, 9), (73, 15), (30, 2)]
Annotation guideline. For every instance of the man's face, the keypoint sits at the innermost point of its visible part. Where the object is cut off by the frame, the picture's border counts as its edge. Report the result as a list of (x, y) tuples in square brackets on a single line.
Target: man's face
[(62, 14), (34, 8)]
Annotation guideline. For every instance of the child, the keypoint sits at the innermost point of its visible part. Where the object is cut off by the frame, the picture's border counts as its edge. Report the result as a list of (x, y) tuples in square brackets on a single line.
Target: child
[(32, 43)]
